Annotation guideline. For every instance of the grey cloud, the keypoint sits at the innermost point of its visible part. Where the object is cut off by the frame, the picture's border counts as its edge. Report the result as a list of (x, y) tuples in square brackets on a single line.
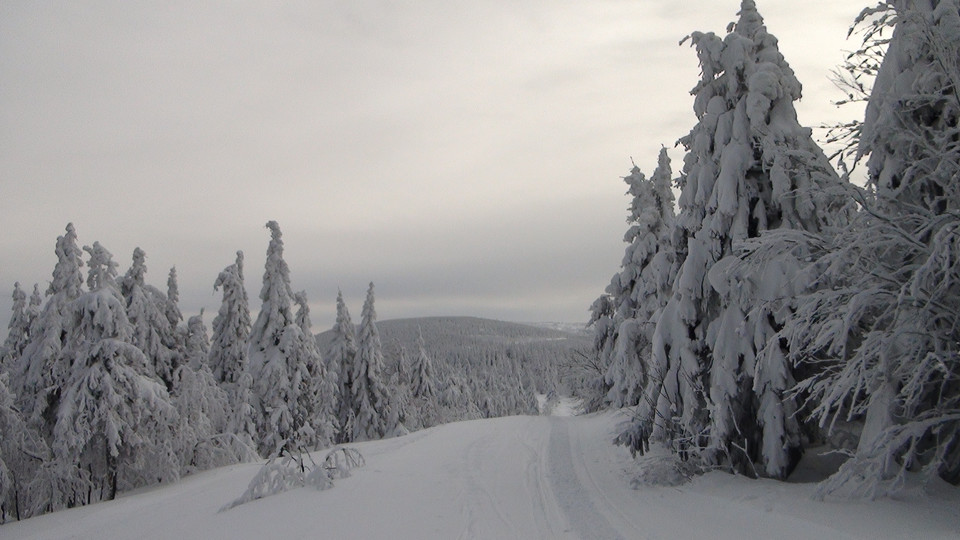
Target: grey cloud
[(464, 155)]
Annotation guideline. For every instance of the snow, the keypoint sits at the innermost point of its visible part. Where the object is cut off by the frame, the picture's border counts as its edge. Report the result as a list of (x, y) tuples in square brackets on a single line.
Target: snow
[(516, 477)]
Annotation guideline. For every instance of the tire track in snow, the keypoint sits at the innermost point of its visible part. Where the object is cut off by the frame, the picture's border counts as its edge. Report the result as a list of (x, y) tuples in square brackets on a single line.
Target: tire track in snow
[(577, 500), (547, 513)]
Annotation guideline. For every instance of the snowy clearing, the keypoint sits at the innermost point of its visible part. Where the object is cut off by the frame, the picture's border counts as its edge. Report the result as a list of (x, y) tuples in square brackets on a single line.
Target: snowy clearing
[(515, 477)]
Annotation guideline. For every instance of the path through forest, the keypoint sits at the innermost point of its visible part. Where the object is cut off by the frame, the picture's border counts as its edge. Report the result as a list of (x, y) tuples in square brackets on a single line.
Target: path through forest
[(522, 477)]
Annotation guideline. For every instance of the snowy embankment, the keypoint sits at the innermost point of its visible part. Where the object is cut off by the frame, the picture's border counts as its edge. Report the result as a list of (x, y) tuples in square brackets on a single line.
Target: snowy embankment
[(517, 477)]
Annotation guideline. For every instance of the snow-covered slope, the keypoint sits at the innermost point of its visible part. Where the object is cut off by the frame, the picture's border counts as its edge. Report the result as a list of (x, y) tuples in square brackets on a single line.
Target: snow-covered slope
[(515, 477)]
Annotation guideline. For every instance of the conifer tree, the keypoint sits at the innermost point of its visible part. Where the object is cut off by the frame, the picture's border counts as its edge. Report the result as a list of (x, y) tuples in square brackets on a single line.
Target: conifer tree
[(318, 387), (112, 416), (202, 438), (596, 364), (241, 414), (369, 393), (22, 450), (880, 331), (33, 309), (43, 369), (18, 330), (147, 311), (341, 358), (173, 299), (275, 341), (227, 358), (643, 283), (750, 167), (231, 327), (423, 382)]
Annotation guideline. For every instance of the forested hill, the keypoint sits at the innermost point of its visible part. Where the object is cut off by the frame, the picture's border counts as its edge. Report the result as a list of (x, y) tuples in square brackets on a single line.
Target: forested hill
[(462, 341), (446, 336)]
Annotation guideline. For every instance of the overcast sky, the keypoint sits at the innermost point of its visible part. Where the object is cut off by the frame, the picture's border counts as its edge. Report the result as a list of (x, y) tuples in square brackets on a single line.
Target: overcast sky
[(466, 156)]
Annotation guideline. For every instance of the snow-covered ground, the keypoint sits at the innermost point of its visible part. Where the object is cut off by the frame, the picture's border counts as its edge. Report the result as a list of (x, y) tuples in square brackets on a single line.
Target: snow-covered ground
[(516, 477)]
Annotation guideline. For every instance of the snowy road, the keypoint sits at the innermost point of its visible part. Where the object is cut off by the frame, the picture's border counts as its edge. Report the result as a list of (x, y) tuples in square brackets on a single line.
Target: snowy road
[(517, 477)]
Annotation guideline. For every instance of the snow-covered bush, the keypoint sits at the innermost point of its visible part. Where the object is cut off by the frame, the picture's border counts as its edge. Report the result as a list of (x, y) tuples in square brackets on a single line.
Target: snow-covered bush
[(297, 470)]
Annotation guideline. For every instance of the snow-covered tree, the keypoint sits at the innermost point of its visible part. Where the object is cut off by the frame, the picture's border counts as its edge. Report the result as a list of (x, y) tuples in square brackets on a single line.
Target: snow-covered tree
[(273, 347), (750, 167), (202, 437), (241, 417), (18, 330), (880, 331), (643, 283), (318, 387), (112, 418), (36, 302), (406, 412), (369, 393), (22, 451), (43, 368), (597, 362), (340, 360), (147, 311), (423, 384), (174, 316), (231, 326), (227, 358)]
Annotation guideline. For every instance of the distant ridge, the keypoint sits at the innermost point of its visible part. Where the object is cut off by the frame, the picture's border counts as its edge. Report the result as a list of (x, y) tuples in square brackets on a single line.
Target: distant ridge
[(471, 348), (444, 336)]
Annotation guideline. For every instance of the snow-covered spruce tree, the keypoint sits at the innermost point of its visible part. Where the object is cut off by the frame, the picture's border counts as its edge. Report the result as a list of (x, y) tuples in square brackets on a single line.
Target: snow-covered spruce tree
[(231, 327), (881, 329), (340, 360), (18, 330), (43, 369), (370, 403), (750, 167), (423, 384), (113, 419), (22, 451), (318, 387), (402, 414), (202, 438), (228, 352), (174, 316), (643, 283), (421, 391), (241, 417), (596, 363), (276, 383), (147, 311), (406, 412)]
